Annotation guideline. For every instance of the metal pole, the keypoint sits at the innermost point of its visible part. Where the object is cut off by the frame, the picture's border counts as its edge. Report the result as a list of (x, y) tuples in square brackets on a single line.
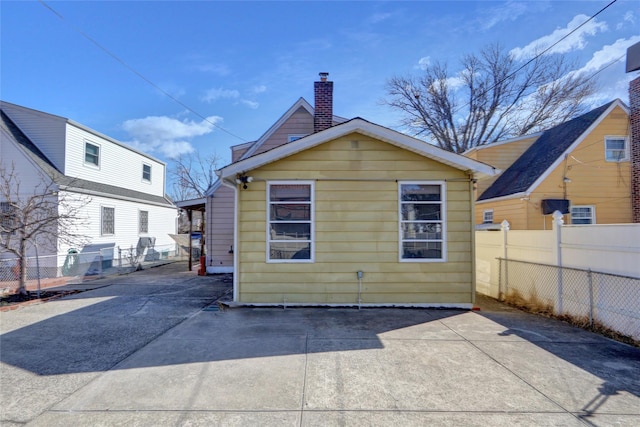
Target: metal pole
[(37, 267), (590, 277)]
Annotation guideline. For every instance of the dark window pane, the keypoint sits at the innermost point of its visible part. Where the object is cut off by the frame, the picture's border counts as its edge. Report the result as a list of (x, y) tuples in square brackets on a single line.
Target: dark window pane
[(288, 193), (290, 231), (91, 153), (421, 250), (421, 231), (301, 212), (289, 250), (421, 212), (419, 192)]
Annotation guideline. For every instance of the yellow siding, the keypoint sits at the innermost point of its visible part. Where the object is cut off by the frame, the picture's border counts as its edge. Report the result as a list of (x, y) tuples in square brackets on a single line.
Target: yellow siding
[(356, 229), (594, 182), (513, 210), (501, 156)]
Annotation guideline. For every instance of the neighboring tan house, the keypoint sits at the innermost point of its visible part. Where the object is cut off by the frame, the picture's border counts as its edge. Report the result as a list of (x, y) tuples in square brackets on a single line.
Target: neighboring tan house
[(300, 120), (120, 190), (356, 214), (580, 167)]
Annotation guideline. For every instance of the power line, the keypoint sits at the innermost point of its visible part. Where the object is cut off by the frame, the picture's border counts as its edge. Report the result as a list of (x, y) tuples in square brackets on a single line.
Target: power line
[(545, 51), (137, 73)]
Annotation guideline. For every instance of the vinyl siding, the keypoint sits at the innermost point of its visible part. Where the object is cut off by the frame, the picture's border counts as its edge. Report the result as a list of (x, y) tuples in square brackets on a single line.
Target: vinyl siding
[(219, 239), (356, 229), (45, 130), (162, 222), (501, 156), (513, 210), (119, 166), (594, 182), (300, 122)]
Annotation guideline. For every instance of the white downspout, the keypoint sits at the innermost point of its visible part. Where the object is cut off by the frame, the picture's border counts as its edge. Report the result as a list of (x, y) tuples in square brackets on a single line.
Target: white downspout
[(235, 237)]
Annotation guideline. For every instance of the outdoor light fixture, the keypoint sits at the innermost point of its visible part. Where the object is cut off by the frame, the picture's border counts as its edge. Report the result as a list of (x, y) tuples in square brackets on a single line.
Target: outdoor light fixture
[(244, 180)]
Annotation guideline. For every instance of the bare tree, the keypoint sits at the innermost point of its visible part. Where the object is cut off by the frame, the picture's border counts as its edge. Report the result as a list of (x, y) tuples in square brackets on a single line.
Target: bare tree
[(192, 174), (494, 97), (40, 215)]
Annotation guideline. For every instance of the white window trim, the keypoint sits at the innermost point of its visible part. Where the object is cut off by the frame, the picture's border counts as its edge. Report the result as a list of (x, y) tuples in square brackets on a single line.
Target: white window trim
[(140, 232), (294, 136), (148, 181), (102, 219), (312, 244), (626, 148), (84, 155), (592, 209), (484, 216), (443, 192)]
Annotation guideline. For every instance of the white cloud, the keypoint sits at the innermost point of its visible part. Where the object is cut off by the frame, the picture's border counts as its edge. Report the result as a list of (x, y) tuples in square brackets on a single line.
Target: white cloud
[(251, 104), (608, 54), (628, 18), (259, 89), (505, 12), (576, 41), (378, 17), (167, 135), (424, 62), (214, 94)]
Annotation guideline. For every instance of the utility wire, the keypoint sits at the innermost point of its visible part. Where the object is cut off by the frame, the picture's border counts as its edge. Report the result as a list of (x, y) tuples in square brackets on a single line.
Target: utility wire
[(543, 52), (137, 73)]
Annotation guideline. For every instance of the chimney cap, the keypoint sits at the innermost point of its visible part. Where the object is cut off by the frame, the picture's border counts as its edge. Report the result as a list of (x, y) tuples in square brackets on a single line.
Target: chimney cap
[(323, 76)]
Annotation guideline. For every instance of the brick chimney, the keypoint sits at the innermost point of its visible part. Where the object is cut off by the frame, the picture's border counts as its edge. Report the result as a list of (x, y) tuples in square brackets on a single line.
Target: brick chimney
[(323, 93), (634, 121)]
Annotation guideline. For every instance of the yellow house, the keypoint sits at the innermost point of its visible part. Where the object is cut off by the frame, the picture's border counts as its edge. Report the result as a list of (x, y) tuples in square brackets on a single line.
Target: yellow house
[(356, 214), (580, 167)]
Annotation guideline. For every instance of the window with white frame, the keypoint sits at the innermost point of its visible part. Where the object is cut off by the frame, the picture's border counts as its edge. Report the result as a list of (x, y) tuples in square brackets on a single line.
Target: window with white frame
[(295, 136), (583, 215), (422, 221), (616, 148), (146, 172), (91, 154), (290, 221), (108, 221), (487, 216), (143, 222)]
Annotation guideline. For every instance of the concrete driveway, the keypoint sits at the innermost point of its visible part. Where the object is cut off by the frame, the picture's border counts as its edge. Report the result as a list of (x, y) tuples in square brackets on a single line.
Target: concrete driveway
[(150, 348)]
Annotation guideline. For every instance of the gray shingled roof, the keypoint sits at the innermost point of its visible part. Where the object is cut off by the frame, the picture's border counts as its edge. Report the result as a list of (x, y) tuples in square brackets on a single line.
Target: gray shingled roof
[(526, 170), (70, 183)]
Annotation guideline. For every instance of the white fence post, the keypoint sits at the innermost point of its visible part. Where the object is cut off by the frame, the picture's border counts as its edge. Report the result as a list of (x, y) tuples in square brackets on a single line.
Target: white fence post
[(504, 227), (557, 228)]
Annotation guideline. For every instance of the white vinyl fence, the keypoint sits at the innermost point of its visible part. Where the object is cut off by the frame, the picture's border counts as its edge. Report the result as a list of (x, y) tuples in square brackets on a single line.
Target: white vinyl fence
[(586, 271)]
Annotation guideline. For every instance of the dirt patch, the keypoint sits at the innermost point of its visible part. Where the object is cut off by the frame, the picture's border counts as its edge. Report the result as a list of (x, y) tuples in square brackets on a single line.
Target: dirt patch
[(15, 301)]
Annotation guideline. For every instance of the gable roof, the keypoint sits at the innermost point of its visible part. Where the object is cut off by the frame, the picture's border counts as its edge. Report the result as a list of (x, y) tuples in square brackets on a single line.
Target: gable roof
[(8, 107), (9, 128), (300, 103), (366, 128), (255, 145), (546, 153)]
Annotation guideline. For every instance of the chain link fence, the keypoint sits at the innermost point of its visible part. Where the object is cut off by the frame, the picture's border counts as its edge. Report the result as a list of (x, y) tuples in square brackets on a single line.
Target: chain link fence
[(75, 267), (594, 298)]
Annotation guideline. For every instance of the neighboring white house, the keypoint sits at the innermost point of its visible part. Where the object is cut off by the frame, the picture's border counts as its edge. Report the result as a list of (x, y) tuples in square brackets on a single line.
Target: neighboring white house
[(127, 206)]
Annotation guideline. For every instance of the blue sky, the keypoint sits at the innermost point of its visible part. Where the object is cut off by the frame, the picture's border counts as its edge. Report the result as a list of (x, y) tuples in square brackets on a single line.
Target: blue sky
[(243, 64)]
